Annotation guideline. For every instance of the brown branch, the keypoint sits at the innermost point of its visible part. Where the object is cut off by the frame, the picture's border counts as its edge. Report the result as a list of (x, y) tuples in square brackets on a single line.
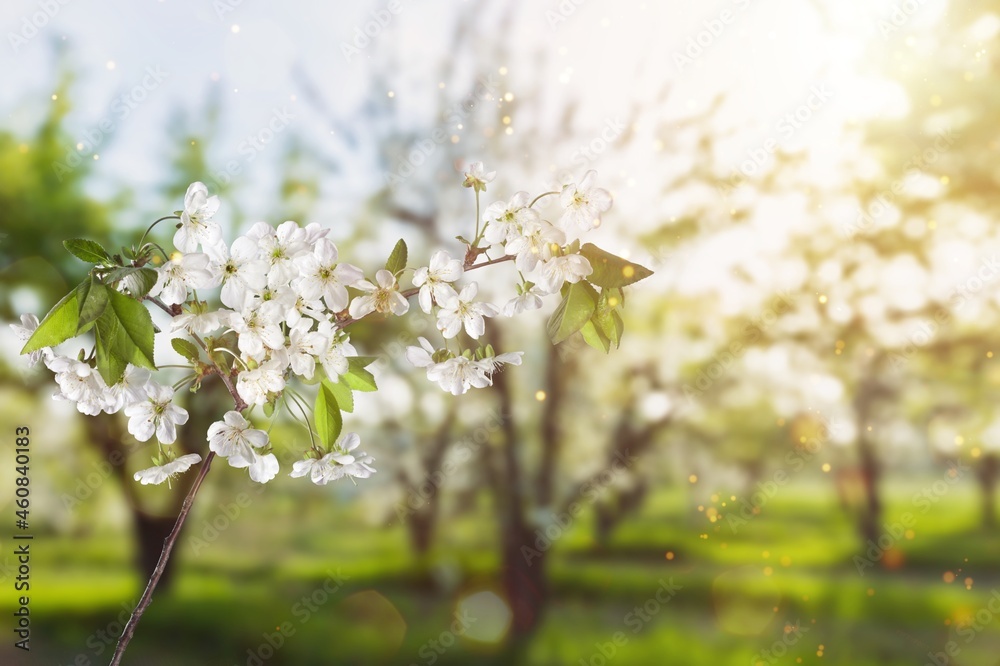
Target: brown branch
[(161, 564), (168, 544)]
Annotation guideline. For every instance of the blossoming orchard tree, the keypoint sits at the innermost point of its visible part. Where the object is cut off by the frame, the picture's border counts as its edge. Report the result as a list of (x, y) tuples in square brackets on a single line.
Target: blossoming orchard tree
[(278, 337)]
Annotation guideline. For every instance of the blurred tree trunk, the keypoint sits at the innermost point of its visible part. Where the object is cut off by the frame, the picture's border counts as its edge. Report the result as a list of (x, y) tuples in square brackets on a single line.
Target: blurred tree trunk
[(987, 473), (870, 513), (610, 514), (106, 433), (421, 524), (627, 443), (523, 575), (150, 532)]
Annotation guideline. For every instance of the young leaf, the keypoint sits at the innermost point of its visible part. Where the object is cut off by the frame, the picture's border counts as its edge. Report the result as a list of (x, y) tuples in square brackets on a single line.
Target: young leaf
[(185, 348), (619, 329), (93, 299), (361, 361), (610, 271), (575, 310), (594, 337), (112, 352), (136, 328), (606, 321), (343, 393), (60, 324), (329, 421), (87, 250), (397, 260), (360, 379), (141, 282)]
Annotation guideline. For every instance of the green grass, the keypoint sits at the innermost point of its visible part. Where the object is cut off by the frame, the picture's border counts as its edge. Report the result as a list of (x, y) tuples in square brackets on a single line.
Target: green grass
[(791, 565)]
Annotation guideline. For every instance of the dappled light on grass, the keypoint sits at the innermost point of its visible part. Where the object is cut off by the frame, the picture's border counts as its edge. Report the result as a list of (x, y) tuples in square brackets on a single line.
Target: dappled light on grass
[(745, 614)]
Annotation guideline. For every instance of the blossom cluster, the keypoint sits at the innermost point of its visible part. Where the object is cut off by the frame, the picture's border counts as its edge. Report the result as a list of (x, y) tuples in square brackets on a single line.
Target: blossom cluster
[(288, 298), (147, 404)]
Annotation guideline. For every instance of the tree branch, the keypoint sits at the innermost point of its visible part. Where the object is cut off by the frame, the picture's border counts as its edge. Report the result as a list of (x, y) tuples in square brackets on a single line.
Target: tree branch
[(168, 544)]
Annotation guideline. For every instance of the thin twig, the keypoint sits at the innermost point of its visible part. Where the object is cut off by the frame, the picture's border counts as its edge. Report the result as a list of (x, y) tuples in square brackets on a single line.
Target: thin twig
[(161, 564), (168, 544)]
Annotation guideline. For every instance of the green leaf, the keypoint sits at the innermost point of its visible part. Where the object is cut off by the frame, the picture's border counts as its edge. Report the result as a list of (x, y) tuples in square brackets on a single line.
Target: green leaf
[(124, 334), (594, 337), (329, 421), (138, 279), (358, 378), (185, 348), (141, 282), (93, 299), (397, 260), (610, 271), (577, 307), (60, 324), (619, 329), (361, 361), (112, 349), (606, 320), (343, 393), (87, 250), (136, 328)]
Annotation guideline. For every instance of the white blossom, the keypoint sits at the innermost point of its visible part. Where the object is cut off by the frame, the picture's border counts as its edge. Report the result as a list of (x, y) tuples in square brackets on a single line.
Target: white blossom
[(156, 414), (536, 242), (477, 177), (234, 435), (433, 280), (279, 248), (29, 323), (201, 323), (559, 270), (318, 469), (384, 298), (457, 375), (78, 382), (491, 364), (160, 473), (335, 351), (340, 462), (461, 310), (181, 273), (233, 438), (583, 204), (303, 347), (255, 385), (505, 219), (239, 271), (322, 277), (130, 390), (422, 356), (256, 330), (529, 299), (262, 467), (196, 225)]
